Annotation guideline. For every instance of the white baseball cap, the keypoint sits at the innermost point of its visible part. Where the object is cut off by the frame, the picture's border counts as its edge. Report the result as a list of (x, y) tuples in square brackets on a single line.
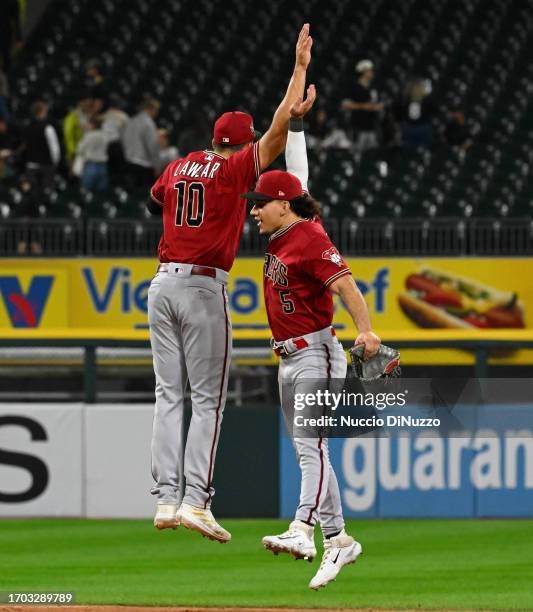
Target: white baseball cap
[(364, 65)]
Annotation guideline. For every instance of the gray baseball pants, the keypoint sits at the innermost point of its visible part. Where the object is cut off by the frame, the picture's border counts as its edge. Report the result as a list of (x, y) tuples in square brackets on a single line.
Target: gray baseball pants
[(320, 498), (190, 334)]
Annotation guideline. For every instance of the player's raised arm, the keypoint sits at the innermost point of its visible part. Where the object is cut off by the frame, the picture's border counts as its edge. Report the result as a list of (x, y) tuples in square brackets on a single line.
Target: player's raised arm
[(295, 149), (273, 141)]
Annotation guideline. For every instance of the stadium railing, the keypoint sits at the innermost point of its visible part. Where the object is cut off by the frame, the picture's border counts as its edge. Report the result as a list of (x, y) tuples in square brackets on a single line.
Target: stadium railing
[(386, 236), (501, 236), (366, 236), (481, 342), (55, 237)]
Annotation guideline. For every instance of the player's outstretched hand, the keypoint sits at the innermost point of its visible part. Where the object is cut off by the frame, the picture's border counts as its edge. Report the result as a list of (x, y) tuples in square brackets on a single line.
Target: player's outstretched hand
[(371, 342), (302, 107), (303, 48)]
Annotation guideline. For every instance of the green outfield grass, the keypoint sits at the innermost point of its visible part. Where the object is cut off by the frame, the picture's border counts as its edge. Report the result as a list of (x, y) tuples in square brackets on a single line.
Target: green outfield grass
[(408, 563)]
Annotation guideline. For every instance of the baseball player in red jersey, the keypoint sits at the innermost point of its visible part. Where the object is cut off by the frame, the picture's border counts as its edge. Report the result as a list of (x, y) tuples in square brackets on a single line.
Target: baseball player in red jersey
[(302, 268), (190, 329)]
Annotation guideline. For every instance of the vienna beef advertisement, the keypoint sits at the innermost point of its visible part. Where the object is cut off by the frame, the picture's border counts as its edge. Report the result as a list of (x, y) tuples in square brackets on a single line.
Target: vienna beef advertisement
[(402, 294)]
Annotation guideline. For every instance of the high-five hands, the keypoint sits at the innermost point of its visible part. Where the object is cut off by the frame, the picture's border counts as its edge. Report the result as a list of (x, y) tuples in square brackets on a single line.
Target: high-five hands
[(303, 48), (302, 107)]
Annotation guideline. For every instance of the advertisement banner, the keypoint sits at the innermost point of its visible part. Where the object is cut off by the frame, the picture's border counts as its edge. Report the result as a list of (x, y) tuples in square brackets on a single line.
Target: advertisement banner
[(487, 473), (74, 460), (41, 460), (402, 294), (118, 478)]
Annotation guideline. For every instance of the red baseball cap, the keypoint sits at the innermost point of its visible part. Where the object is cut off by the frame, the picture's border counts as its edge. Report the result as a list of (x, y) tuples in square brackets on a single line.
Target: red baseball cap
[(234, 128), (276, 185)]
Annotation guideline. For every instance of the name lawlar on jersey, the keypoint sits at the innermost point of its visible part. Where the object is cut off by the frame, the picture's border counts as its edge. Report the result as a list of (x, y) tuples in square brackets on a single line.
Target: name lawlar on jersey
[(197, 170)]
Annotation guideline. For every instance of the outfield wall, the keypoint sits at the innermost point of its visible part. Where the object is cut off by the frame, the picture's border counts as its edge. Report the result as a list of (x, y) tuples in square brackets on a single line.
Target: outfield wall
[(94, 461)]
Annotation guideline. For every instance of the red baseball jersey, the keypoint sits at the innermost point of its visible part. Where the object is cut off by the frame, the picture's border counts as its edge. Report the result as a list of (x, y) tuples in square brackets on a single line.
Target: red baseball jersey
[(203, 213), (300, 264)]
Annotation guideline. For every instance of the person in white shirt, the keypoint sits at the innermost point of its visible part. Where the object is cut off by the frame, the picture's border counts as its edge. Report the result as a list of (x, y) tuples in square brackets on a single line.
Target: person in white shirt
[(93, 150), (168, 153), (140, 141)]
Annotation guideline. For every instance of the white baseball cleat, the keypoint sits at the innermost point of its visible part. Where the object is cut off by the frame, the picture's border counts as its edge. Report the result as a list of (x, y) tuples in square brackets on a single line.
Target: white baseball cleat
[(203, 522), (339, 551), (297, 541), (166, 516)]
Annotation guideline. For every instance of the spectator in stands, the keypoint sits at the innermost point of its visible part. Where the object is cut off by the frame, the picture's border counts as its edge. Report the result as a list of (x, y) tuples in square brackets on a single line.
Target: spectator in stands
[(317, 129), (95, 84), (74, 125), (93, 151), (10, 32), (336, 138), (390, 130), (28, 206), (167, 152), (4, 169), (9, 147), (5, 149), (196, 136), (4, 96), (141, 145), (115, 120), (42, 154), (325, 133), (363, 103), (98, 105), (456, 132), (41, 151), (415, 112)]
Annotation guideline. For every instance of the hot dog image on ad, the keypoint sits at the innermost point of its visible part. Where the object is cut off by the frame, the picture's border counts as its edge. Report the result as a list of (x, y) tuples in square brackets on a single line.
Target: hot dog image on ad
[(437, 299)]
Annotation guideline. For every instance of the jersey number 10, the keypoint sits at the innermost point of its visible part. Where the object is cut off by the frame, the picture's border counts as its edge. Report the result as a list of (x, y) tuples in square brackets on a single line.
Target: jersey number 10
[(190, 204)]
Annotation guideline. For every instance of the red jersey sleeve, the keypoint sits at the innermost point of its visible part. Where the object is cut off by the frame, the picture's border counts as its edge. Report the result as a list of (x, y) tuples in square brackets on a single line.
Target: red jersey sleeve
[(157, 192), (322, 261), (243, 168)]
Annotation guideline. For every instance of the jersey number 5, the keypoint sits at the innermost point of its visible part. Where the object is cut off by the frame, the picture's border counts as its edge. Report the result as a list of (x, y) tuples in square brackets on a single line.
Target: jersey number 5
[(191, 203), (287, 305)]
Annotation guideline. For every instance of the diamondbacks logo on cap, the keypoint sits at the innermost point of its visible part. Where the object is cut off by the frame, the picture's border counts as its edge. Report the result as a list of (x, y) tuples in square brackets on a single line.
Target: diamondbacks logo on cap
[(225, 139), (333, 255), (281, 193)]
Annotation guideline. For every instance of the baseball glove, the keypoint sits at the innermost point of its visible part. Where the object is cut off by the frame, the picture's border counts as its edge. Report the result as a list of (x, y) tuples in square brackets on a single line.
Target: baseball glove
[(384, 364)]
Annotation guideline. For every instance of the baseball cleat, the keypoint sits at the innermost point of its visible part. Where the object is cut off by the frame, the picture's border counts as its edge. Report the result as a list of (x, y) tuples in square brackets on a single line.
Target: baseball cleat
[(166, 517), (339, 551), (203, 522), (297, 541)]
